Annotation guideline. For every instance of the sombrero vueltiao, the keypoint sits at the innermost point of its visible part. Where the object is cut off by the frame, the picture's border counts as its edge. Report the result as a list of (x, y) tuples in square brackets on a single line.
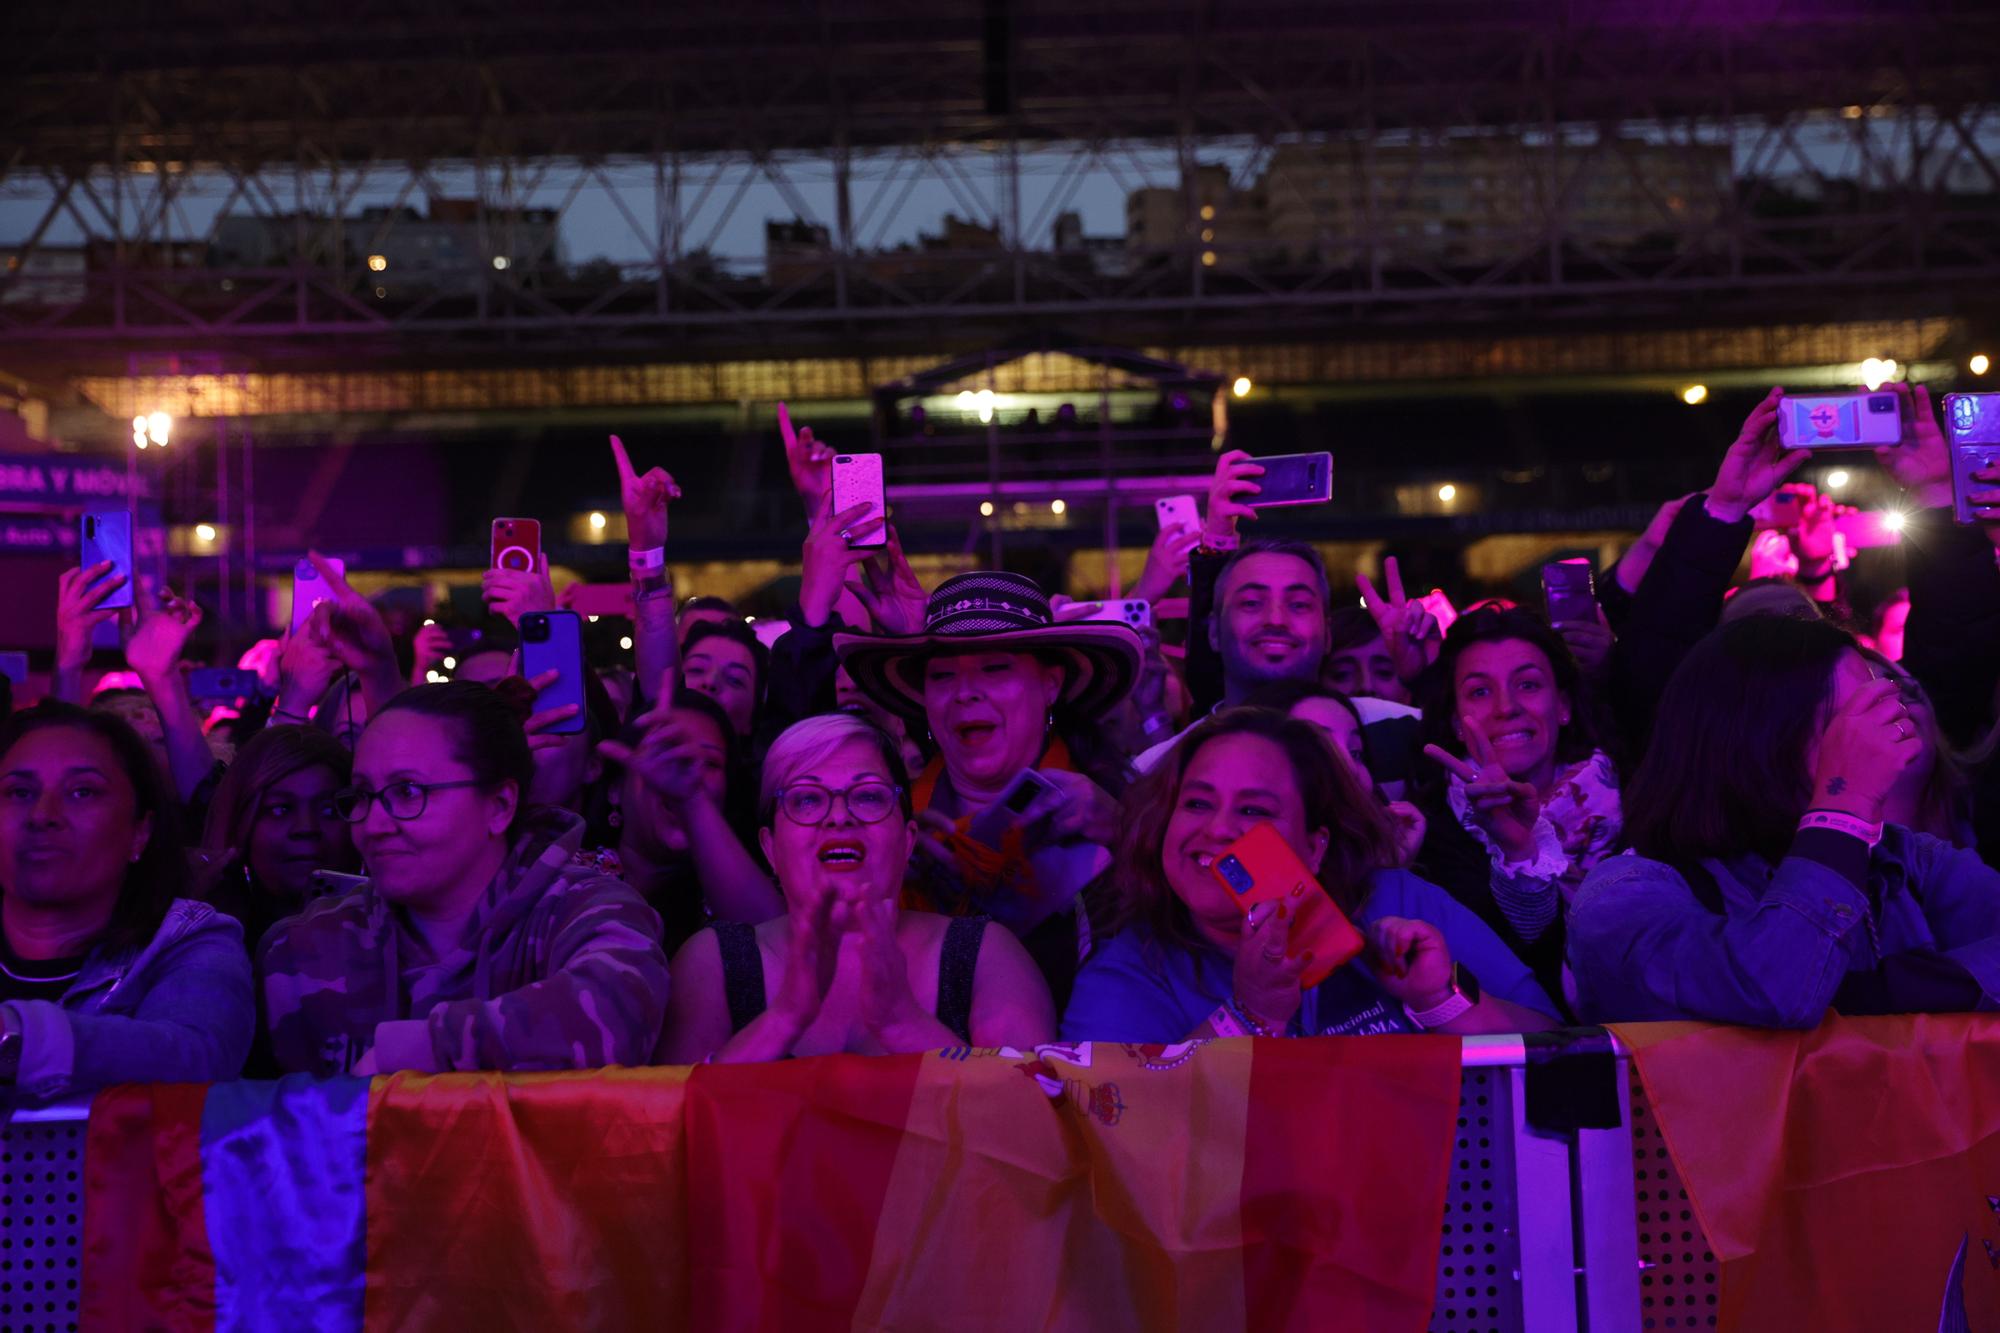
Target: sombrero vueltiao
[(986, 612)]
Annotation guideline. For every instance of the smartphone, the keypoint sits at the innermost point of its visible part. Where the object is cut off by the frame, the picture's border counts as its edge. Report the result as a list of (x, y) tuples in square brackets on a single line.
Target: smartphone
[(1178, 511), (601, 599), (222, 684), (464, 640), (991, 824), (309, 589), (331, 883), (107, 535), (1972, 425), (1840, 421), (1293, 479), (14, 666), (553, 641), (1260, 868), (1570, 589), (1134, 611), (517, 543), (857, 479), (1441, 610)]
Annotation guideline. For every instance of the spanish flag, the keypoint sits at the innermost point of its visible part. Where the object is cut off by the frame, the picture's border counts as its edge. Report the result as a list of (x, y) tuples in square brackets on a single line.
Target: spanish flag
[(1838, 1174), (1241, 1184)]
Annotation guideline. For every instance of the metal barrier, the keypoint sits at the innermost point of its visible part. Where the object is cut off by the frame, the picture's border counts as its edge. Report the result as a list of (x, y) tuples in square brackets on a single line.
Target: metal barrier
[(1589, 1231)]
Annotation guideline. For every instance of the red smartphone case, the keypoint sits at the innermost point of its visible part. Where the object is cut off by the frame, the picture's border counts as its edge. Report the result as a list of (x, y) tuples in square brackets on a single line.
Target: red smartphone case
[(517, 543), (1260, 868)]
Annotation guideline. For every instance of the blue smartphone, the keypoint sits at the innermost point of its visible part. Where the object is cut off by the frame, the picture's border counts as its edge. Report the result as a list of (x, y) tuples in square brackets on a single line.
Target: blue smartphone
[(107, 535), (553, 641), (222, 684)]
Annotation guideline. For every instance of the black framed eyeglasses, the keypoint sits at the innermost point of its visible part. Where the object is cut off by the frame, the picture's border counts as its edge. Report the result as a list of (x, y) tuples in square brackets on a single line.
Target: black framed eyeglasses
[(870, 802), (403, 800)]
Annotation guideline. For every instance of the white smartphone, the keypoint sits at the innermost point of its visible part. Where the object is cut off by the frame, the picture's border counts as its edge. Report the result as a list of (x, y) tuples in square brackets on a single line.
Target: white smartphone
[(1134, 611), (309, 589), (857, 479), (1178, 511)]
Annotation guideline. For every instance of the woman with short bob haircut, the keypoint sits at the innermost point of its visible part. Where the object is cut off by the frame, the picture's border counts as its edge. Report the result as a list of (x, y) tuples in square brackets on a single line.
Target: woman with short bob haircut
[(1766, 888)]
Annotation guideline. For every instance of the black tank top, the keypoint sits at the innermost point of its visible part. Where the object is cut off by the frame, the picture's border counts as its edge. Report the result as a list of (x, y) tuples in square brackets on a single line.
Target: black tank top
[(743, 973)]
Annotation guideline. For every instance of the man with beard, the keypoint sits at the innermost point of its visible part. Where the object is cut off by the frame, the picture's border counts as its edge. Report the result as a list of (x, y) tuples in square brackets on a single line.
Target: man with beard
[(1268, 623)]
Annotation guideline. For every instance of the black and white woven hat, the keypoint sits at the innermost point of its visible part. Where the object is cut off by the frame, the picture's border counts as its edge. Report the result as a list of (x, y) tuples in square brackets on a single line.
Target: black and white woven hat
[(994, 612)]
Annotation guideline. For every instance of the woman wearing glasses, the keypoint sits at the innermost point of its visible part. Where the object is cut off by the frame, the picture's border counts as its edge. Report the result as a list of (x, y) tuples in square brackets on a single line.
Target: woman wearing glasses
[(475, 943), (846, 969)]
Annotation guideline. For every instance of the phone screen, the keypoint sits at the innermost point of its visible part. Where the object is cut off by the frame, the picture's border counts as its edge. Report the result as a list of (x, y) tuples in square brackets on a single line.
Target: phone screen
[(1294, 479)]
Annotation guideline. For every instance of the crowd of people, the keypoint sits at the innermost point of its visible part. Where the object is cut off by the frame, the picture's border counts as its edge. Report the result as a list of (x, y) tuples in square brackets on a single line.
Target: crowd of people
[(976, 815)]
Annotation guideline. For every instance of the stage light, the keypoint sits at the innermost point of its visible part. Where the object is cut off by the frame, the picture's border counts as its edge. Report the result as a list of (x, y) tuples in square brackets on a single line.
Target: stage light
[(435, 677), (1208, 212), (1979, 364), (1057, 506), (1242, 386), (1208, 233), (626, 643), (986, 509), (1447, 492), (378, 263), (1852, 112), (204, 532), (451, 664), (966, 399), (594, 619), (500, 262), (139, 440), (1894, 519), (1695, 395), (1877, 371), (1837, 480), (158, 427), (381, 292), (429, 623), (597, 521), (1208, 259), (985, 400)]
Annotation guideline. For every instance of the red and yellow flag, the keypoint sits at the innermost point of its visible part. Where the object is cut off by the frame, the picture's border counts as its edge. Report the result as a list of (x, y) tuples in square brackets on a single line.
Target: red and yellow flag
[(1228, 1185), (1837, 1172)]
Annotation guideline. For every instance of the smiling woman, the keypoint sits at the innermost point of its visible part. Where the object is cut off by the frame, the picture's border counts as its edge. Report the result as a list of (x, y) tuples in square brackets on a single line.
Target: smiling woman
[(845, 969), (108, 974)]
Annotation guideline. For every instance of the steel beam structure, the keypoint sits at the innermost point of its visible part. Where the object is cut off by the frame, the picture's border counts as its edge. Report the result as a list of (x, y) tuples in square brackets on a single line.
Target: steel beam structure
[(1858, 143)]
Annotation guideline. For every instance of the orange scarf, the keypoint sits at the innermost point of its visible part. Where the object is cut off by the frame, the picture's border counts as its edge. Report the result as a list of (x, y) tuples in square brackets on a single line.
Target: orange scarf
[(980, 869)]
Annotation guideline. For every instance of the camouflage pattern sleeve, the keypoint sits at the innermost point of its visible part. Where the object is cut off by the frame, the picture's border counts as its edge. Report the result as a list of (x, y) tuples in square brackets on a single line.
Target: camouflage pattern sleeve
[(601, 1001), (324, 988)]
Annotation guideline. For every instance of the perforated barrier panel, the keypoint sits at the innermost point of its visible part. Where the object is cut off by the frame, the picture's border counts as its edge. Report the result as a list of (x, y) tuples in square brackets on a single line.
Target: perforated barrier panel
[(1678, 1281), (1479, 1279), (41, 1224)]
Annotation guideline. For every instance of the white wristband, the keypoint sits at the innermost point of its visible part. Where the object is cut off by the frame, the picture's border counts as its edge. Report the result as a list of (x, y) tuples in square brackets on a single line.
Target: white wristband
[(649, 561)]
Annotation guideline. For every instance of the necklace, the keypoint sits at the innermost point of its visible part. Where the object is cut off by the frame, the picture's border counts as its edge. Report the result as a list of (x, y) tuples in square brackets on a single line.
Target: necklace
[(67, 976)]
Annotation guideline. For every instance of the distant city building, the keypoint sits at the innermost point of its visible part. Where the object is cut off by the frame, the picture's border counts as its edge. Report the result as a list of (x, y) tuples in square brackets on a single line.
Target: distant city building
[(442, 249)]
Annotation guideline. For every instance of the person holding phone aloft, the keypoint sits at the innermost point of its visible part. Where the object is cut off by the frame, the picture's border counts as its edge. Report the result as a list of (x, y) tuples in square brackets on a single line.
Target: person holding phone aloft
[(1185, 963)]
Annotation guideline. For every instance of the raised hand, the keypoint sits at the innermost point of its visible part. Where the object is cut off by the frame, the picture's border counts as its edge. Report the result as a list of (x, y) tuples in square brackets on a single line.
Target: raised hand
[(166, 623), (670, 759), (1755, 464), (1921, 466), (514, 593), (887, 1003), (356, 635), (1166, 561), (1235, 474), (306, 666), (1590, 643), (889, 589), (431, 647), (1505, 808), (827, 556), (1638, 557), (1078, 810), (540, 726), (1409, 632), (644, 498), (809, 461), (80, 594)]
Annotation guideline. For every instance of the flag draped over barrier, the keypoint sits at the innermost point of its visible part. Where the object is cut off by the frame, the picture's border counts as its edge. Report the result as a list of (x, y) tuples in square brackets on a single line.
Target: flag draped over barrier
[(1837, 1172), (1227, 1185)]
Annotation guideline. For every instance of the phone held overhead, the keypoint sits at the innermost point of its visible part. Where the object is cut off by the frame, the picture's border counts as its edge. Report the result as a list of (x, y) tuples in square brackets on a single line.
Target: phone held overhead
[(1972, 428)]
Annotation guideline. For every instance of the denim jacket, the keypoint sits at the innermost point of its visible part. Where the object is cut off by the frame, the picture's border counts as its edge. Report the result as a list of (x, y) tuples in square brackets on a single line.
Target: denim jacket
[(1644, 948), (179, 1010)]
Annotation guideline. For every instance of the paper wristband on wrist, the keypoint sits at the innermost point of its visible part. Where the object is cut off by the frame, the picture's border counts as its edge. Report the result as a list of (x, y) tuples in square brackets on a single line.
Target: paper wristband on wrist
[(1225, 1023), (1840, 822), (649, 561)]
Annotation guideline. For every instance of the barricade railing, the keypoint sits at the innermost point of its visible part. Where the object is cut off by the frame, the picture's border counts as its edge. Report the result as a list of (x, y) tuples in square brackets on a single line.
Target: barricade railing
[(1589, 1229)]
